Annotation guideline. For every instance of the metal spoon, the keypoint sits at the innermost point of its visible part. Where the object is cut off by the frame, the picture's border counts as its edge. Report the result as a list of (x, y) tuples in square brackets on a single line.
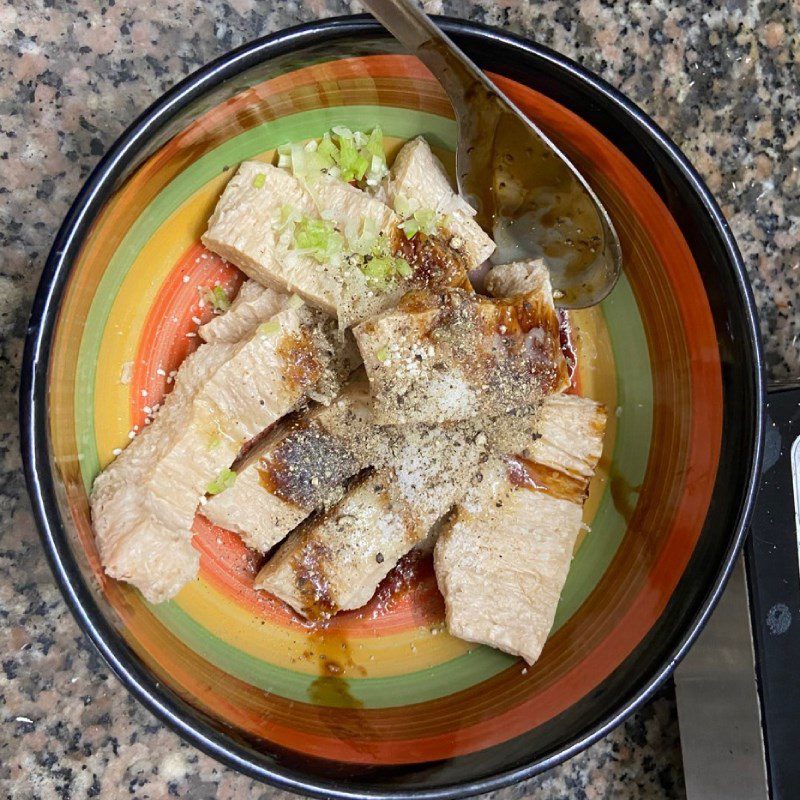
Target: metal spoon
[(528, 195)]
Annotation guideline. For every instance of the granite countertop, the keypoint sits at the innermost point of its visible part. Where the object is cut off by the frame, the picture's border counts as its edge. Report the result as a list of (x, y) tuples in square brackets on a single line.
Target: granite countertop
[(76, 72)]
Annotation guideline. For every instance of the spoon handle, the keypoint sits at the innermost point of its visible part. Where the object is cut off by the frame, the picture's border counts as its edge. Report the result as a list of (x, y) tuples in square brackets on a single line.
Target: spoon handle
[(408, 23)]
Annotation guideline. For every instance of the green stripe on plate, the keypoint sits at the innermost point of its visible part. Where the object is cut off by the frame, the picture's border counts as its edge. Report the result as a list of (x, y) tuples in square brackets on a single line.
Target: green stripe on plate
[(400, 690), (631, 448)]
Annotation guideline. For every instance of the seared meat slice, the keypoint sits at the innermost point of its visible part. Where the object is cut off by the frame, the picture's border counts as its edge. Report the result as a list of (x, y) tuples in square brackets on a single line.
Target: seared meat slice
[(419, 176), (225, 394), (245, 230), (252, 305), (303, 464), (502, 559), (336, 560), (253, 223), (431, 261), (450, 355)]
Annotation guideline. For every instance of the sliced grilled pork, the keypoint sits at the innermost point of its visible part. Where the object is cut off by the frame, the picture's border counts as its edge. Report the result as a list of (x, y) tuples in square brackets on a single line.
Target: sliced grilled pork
[(418, 175), (252, 227), (225, 394), (245, 229), (450, 355), (336, 560), (303, 464), (502, 559)]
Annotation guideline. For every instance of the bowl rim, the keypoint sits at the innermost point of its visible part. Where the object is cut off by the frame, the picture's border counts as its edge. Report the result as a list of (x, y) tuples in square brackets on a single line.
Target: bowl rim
[(163, 703)]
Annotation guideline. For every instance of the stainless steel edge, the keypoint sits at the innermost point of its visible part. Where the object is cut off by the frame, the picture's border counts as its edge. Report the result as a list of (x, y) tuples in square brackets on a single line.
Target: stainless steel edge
[(719, 711)]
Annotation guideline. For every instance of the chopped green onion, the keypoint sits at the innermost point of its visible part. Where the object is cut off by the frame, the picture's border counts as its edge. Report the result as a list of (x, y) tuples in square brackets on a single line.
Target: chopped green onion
[(340, 153), (271, 328), (327, 148), (378, 168), (382, 354), (427, 219), (348, 156), (410, 228), (223, 481), (360, 166), (405, 207), (378, 268), (372, 254), (424, 220), (375, 143), (318, 238), (367, 240), (403, 267), (217, 299), (259, 180)]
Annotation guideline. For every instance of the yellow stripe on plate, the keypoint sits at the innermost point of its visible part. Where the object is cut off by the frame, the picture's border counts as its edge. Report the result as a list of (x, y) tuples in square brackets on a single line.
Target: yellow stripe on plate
[(297, 650)]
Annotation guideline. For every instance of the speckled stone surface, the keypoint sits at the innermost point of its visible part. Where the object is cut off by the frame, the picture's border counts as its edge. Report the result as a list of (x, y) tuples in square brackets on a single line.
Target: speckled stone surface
[(722, 79)]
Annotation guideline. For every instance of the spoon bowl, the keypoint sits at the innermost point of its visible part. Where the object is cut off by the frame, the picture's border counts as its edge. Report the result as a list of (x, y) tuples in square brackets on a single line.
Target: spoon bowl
[(527, 194)]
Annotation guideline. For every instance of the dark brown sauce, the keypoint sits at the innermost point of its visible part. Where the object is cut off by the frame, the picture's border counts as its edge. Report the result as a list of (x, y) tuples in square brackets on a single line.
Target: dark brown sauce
[(332, 652), (270, 477), (312, 583), (525, 358), (433, 262), (528, 177), (339, 709), (420, 300), (251, 448), (622, 495), (331, 691), (522, 314), (409, 572), (273, 470), (307, 466), (530, 183), (527, 474), (301, 365)]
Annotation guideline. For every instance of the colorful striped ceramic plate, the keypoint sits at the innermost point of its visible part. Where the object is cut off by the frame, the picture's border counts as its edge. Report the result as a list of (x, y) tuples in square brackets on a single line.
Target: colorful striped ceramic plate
[(413, 706)]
